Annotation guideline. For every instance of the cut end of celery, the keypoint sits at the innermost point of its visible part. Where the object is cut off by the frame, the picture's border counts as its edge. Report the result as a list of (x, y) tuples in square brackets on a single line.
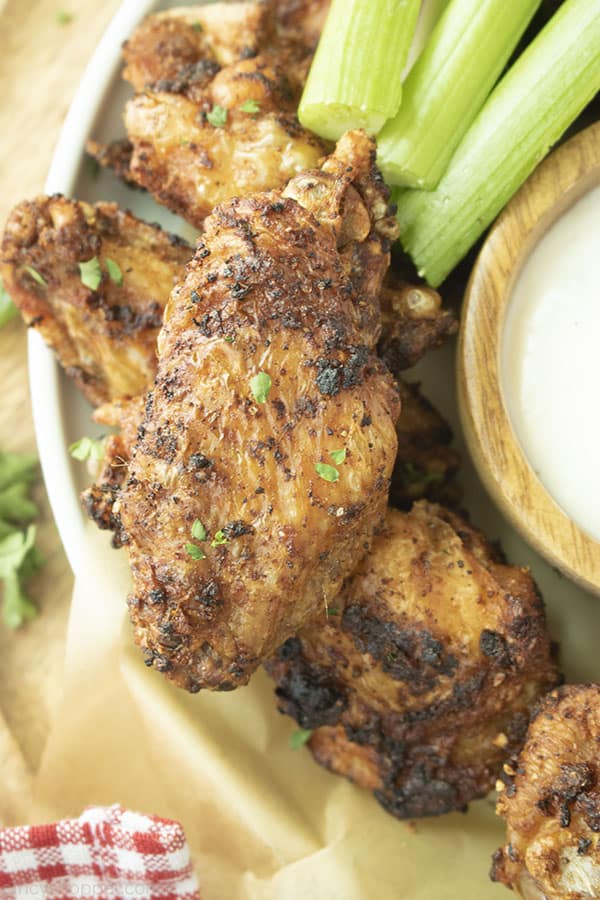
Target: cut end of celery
[(400, 176), (332, 120)]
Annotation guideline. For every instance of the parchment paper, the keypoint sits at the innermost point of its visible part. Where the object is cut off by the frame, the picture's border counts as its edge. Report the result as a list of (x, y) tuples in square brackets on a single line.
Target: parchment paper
[(264, 822)]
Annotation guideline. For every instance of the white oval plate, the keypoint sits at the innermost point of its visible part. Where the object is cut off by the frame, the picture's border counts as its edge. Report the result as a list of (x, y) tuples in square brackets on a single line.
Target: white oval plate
[(61, 415)]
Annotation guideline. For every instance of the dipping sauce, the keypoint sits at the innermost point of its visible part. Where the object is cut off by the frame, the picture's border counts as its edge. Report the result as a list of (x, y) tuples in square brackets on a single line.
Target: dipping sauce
[(551, 361)]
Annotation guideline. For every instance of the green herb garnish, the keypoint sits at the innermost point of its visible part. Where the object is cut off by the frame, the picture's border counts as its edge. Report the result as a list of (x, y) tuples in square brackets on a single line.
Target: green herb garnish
[(219, 539), (300, 737), (36, 275), (114, 271), (338, 456), (194, 551), (260, 385), (87, 448), (8, 310), (198, 531), (250, 106), (217, 116), (91, 273), (197, 26), (228, 339), (332, 611), (63, 17), (327, 473)]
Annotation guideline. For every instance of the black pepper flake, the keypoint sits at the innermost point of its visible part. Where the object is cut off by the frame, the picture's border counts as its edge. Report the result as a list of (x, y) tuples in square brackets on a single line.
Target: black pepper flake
[(195, 297), (200, 461), (583, 846)]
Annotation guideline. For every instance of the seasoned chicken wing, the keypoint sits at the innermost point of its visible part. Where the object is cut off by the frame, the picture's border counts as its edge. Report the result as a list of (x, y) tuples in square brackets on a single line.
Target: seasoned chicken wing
[(550, 798), (103, 336), (419, 677), (214, 113), (426, 464), (263, 458)]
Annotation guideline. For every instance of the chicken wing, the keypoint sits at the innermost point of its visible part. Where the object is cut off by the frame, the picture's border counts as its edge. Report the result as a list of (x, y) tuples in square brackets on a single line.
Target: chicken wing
[(419, 678), (105, 338), (550, 798), (270, 432), (214, 113)]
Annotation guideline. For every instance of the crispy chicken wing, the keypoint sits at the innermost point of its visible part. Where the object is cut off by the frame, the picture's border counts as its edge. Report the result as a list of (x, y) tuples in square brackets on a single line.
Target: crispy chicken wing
[(426, 464), (263, 373), (419, 680), (104, 338), (550, 799), (214, 113)]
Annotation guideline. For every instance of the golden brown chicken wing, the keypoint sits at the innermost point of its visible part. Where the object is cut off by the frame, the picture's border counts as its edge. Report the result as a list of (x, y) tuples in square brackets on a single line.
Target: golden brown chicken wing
[(426, 464), (550, 798), (214, 113), (419, 678), (263, 458), (104, 337)]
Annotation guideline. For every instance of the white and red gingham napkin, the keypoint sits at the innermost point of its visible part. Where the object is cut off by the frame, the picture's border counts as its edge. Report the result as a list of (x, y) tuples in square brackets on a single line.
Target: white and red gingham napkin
[(106, 854)]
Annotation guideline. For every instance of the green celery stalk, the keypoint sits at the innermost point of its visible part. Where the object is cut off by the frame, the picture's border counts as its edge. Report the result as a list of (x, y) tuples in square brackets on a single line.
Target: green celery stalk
[(448, 85), (355, 80), (531, 107)]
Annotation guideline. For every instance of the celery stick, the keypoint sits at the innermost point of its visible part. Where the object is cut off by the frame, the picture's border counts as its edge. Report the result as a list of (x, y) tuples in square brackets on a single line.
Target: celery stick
[(535, 102), (448, 85), (355, 80)]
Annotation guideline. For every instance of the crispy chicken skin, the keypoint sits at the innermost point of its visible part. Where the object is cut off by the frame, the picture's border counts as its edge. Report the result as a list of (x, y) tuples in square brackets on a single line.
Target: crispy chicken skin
[(550, 799), (187, 64), (419, 681), (426, 464), (414, 322), (105, 338), (267, 291)]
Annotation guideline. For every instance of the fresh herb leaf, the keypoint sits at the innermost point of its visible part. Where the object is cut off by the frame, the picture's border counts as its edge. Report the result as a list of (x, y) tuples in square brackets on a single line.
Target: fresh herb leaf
[(16, 467), (91, 273), (250, 106), (219, 539), (93, 167), (300, 737), (8, 310), (332, 611), (18, 608), (327, 473), (63, 17), (198, 531), (414, 475), (217, 116), (14, 549), (197, 26), (260, 385), (114, 271), (228, 339), (15, 505), (87, 448), (338, 456), (194, 551), (36, 275)]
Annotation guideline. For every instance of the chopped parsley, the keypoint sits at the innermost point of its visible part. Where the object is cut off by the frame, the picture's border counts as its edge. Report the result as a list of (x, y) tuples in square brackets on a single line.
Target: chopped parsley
[(87, 448), (338, 456), (228, 339), (300, 737), (219, 539), (63, 17), (36, 275), (327, 473), (332, 611), (260, 385), (414, 475), (217, 116), (250, 106), (197, 26), (114, 271), (91, 273), (194, 551), (8, 310), (198, 531)]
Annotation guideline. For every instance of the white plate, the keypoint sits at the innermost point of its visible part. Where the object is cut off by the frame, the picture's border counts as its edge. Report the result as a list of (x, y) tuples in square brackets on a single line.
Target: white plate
[(62, 416)]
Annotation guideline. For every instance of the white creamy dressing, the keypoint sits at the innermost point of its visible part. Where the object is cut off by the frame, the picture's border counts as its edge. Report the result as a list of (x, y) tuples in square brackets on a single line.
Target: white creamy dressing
[(551, 361)]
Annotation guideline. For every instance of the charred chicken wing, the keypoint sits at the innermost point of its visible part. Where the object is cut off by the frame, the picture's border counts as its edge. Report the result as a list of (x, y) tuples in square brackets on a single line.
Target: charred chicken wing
[(263, 458), (103, 333), (419, 678), (550, 799)]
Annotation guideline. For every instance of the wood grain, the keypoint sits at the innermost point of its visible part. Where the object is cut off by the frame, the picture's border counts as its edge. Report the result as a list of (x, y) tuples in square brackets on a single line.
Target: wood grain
[(559, 182), (41, 63)]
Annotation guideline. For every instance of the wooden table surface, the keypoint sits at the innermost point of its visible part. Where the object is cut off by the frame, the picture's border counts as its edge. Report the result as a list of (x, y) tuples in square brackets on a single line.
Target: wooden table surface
[(41, 62)]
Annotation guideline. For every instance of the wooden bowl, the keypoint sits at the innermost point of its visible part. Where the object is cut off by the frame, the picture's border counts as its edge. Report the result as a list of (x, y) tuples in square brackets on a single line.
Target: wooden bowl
[(557, 184)]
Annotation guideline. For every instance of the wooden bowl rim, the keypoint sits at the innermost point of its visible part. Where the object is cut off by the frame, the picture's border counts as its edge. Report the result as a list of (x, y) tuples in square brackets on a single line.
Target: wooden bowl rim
[(562, 179)]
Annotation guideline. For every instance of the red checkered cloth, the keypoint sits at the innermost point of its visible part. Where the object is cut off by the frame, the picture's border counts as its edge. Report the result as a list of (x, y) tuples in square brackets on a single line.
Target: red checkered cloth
[(107, 854)]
